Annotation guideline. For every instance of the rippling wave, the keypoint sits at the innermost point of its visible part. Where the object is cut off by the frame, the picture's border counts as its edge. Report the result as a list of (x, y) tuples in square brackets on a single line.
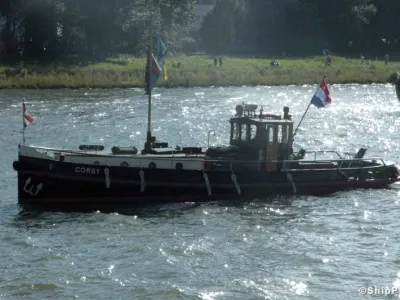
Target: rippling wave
[(291, 248)]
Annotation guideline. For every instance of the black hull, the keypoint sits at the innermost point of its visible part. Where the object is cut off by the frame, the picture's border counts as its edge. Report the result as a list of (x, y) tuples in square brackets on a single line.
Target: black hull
[(57, 185)]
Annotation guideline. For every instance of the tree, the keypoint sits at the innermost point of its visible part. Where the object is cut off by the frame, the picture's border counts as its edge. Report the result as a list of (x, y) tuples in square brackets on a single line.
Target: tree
[(218, 31)]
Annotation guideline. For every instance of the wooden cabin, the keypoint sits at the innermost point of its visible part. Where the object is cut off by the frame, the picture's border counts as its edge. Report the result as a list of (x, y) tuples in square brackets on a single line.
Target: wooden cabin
[(263, 137)]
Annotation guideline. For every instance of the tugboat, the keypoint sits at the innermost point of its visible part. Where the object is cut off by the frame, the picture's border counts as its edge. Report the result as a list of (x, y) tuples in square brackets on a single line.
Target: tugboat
[(259, 161)]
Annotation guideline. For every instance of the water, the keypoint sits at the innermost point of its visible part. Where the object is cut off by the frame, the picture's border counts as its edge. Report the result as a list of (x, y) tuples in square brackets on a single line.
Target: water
[(295, 248)]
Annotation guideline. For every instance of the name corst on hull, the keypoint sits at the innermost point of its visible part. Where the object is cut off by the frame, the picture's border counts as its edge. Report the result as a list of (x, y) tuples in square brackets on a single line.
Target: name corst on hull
[(87, 170)]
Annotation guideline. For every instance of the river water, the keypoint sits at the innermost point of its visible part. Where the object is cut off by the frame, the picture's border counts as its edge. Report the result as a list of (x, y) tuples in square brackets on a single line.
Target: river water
[(295, 248)]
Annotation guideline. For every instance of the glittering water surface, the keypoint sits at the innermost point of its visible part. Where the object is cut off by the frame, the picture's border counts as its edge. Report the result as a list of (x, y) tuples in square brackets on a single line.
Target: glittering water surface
[(295, 248)]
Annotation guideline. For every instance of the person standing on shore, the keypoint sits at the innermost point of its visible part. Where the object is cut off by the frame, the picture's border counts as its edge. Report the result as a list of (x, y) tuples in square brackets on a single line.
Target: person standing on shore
[(386, 58)]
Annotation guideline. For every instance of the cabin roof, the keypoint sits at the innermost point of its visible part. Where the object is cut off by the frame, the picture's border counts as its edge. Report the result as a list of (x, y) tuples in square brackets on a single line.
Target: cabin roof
[(257, 121)]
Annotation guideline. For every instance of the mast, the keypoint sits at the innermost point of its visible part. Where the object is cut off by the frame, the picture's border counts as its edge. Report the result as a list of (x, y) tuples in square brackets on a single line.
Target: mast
[(147, 145), (23, 121)]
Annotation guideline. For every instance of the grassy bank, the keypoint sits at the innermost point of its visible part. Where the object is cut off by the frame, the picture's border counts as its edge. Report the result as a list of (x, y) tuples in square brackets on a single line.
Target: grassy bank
[(126, 71)]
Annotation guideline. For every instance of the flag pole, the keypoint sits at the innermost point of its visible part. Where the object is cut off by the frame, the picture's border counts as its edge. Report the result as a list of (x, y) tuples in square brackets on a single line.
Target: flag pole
[(147, 146), (301, 120), (23, 121), (148, 138), (308, 107)]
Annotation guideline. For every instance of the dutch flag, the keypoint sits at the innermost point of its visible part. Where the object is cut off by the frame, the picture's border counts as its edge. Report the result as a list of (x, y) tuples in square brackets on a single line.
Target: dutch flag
[(322, 96)]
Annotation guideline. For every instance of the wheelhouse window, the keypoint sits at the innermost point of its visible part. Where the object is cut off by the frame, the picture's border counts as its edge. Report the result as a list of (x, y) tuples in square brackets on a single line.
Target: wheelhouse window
[(286, 133), (238, 132), (273, 133), (253, 132), (243, 132)]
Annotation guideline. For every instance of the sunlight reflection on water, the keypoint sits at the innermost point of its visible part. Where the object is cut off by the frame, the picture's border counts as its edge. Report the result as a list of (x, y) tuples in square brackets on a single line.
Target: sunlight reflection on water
[(296, 247)]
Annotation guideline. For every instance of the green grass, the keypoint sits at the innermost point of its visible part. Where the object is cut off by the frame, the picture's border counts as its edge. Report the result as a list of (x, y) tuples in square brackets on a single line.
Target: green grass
[(188, 71)]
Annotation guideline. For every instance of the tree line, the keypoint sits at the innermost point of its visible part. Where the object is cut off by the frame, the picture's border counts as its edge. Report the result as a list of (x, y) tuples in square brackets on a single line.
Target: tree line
[(302, 27), (51, 29)]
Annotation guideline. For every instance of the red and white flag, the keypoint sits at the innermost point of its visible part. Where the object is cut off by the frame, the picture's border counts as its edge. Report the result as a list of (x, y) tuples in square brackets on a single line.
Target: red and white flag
[(28, 119)]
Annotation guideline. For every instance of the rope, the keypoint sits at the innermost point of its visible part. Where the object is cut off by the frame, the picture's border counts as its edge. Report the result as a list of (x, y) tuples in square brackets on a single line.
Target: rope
[(208, 186), (237, 186), (142, 181), (290, 179), (108, 180)]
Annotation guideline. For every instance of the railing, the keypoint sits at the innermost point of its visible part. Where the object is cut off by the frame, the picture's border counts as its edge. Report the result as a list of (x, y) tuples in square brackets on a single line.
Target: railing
[(100, 154), (226, 164), (291, 165), (315, 152)]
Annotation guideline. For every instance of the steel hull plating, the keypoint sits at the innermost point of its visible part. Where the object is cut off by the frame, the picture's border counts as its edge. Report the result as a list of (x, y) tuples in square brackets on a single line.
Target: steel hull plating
[(54, 184)]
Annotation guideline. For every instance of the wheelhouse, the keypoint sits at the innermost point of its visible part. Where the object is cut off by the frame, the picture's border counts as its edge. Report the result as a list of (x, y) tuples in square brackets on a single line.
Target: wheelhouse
[(268, 136)]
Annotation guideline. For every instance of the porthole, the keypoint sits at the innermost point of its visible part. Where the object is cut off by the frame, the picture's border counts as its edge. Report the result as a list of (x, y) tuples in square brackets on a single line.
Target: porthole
[(124, 164), (96, 162), (152, 165), (179, 166)]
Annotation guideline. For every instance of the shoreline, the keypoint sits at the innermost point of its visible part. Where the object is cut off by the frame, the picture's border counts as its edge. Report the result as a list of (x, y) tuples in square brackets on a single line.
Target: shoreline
[(174, 87), (197, 71)]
